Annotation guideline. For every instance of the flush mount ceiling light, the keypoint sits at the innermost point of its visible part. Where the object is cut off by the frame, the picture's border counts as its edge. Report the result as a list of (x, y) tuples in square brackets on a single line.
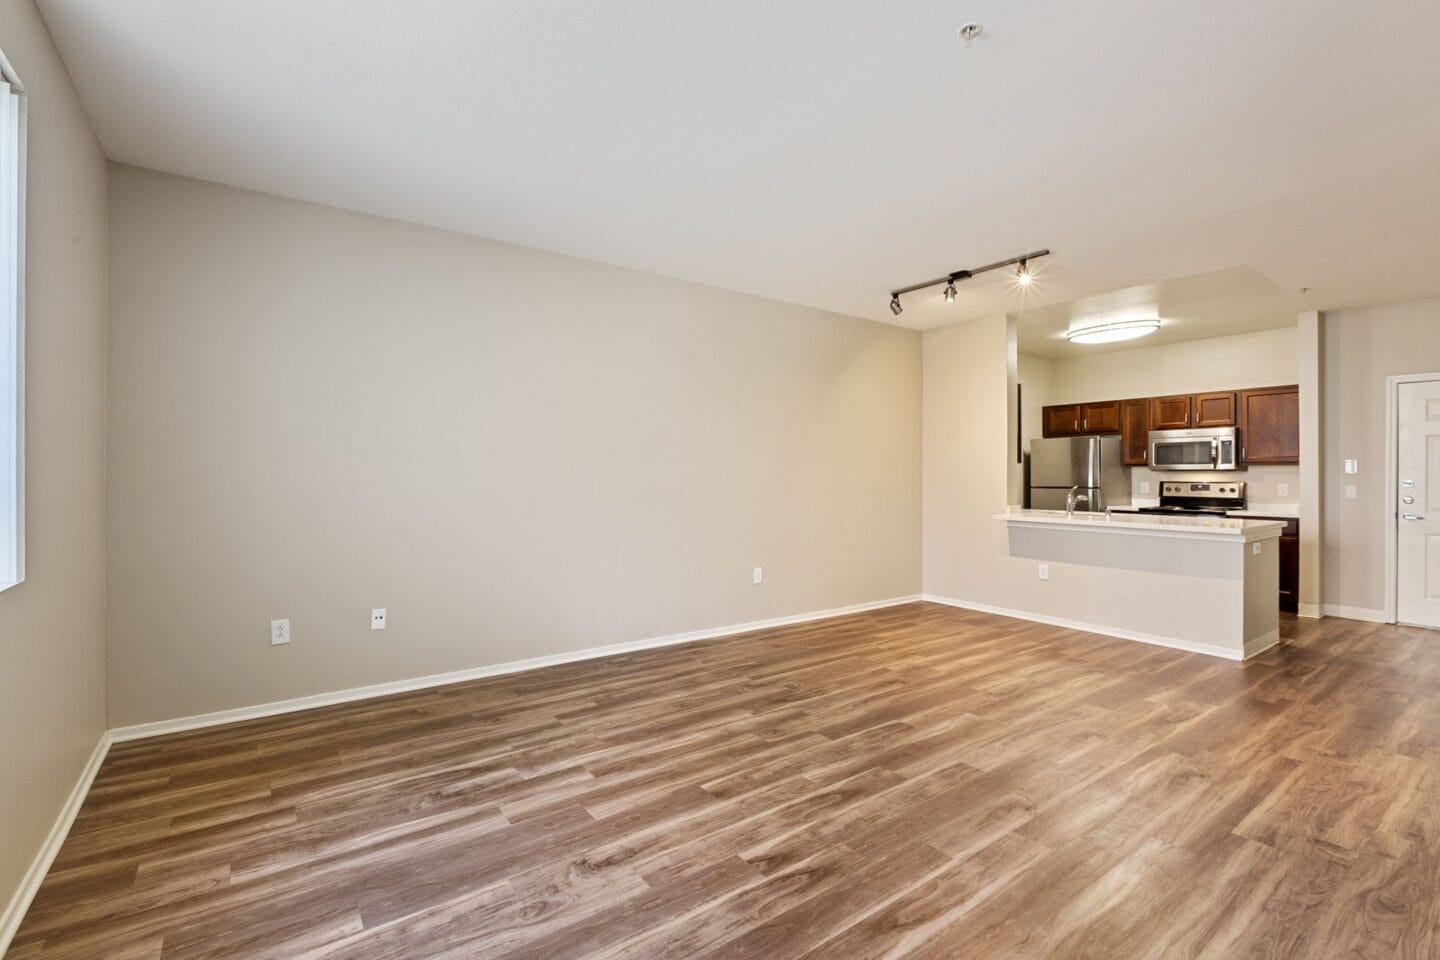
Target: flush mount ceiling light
[(1112, 331), (1023, 276)]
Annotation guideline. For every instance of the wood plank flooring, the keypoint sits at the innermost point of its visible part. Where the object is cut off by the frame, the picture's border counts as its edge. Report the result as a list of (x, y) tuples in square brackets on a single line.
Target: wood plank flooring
[(917, 782)]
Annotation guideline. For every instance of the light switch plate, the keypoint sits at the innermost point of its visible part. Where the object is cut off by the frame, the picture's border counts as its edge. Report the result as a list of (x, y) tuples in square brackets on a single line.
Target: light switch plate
[(1282, 489), (1352, 466), (1044, 571), (1144, 486), (1351, 492)]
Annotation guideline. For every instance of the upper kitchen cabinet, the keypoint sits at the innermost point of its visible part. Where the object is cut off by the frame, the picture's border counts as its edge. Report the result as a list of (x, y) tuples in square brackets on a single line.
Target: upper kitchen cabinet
[(1135, 432), (1061, 420), (1269, 422), (1170, 413), (1100, 417), (1214, 410), (1079, 419)]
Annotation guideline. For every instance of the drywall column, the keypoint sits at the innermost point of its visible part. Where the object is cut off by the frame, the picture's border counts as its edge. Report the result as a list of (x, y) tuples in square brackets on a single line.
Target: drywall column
[(1311, 379), (1015, 468)]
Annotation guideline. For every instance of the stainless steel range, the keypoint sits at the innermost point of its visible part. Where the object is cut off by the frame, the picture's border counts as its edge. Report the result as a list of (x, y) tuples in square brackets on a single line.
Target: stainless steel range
[(1200, 499)]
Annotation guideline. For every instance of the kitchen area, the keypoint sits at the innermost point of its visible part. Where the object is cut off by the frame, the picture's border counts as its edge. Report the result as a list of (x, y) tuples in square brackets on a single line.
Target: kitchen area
[(1155, 484), (1195, 451)]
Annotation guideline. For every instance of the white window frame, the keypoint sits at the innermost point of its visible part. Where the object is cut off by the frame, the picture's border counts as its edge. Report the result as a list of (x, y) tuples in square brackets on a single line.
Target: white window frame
[(12, 327)]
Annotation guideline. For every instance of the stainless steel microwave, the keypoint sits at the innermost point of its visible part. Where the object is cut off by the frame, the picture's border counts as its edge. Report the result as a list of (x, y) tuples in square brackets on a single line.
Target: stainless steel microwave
[(1208, 448)]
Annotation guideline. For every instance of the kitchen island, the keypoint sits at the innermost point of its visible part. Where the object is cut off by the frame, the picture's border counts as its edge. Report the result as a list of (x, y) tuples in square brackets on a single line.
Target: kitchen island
[(1205, 584)]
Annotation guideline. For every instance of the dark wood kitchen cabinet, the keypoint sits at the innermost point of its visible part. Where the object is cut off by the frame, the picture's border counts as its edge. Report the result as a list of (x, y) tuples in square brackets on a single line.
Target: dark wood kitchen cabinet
[(1289, 560), (1081, 419), (1061, 421), (1269, 421), (1290, 568), (1170, 413), (1135, 432), (1214, 409), (1100, 417)]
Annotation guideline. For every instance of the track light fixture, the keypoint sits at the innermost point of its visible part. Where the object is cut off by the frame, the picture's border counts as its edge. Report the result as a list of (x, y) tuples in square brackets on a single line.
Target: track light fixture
[(1023, 276)]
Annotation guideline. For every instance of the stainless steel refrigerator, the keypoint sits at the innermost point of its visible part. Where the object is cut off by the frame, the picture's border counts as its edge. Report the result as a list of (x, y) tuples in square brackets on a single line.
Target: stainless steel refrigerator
[(1094, 464)]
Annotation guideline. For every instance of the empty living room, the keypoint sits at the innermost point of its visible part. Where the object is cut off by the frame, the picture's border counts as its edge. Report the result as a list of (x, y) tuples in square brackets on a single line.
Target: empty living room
[(501, 480)]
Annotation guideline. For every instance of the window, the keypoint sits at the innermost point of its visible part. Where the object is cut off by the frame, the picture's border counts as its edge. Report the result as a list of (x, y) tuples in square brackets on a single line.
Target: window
[(12, 300)]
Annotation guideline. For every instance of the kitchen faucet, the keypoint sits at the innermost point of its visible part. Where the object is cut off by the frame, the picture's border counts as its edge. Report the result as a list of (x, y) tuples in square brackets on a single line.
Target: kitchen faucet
[(1072, 498)]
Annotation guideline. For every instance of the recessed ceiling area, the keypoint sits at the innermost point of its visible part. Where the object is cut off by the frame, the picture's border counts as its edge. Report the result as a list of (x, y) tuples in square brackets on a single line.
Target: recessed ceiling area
[(1216, 304), (811, 152)]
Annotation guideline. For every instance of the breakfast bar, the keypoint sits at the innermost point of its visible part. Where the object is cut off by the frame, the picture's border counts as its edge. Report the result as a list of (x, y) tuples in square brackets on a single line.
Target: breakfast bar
[(1205, 584)]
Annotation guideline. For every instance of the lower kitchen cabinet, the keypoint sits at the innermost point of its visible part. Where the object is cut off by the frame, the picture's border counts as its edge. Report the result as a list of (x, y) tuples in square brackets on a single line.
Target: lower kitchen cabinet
[(1289, 561)]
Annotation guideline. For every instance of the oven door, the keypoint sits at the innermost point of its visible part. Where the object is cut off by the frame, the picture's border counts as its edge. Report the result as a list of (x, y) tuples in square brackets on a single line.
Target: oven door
[(1188, 453)]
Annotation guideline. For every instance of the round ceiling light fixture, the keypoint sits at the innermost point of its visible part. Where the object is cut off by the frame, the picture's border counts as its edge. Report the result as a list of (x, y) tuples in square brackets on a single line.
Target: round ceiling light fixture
[(1112, 331)]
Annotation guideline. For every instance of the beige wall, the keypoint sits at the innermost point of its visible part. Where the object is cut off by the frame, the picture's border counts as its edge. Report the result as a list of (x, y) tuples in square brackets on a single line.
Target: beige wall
[(52, 694), (1360, 349), (315, 412), (1262, 359)]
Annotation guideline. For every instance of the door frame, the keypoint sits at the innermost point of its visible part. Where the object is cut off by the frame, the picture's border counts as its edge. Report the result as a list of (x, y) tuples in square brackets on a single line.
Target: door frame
[(1392, 480)]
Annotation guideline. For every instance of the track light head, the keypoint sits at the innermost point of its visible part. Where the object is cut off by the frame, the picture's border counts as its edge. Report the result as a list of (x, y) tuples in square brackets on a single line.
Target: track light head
[(895, 307), (950, 292), (1023, 276)]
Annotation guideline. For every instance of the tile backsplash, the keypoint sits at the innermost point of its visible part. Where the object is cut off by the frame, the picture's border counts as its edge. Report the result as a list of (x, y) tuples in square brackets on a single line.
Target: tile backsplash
[(1263, 484)]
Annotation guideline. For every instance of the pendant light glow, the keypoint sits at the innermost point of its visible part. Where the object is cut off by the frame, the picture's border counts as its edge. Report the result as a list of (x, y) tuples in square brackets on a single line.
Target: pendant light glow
[(1112, 331)]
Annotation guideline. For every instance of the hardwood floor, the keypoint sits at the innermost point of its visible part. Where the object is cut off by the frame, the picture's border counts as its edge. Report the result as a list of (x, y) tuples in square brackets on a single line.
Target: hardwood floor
[(918, 782)]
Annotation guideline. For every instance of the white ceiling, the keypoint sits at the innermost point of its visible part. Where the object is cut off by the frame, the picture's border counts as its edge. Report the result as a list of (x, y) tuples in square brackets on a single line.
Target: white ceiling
[(1216, 304), (813, 151)]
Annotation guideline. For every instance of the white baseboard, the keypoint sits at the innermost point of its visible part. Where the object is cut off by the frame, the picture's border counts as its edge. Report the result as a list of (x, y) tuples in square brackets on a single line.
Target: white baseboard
[(1150, 638), (1356, 613), (180, 724), (20, 902), (1310, 611)]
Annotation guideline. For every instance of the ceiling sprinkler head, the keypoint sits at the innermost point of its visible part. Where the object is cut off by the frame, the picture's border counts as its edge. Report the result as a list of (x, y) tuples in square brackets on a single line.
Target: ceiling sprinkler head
[(971, 30)]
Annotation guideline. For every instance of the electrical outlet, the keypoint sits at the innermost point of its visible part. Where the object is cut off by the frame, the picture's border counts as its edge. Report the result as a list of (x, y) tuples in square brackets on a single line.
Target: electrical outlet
[(1282, 489), (377, 618), (1351, 492), (1044, 571), (758, 576), (279, 632), (1144, 486), (1255, 549)]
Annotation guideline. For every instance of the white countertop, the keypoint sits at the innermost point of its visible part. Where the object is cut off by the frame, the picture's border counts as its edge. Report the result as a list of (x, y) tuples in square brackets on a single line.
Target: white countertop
[(1238, 529)]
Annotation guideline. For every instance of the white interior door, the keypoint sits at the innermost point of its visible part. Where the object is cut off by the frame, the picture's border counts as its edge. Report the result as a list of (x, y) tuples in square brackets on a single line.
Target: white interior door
[(1418, 499)]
